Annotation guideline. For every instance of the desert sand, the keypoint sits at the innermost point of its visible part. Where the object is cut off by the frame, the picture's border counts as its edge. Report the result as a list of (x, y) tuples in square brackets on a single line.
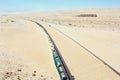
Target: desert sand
[(25, 52), (104, 43), (25, 49), (81, 63), (105, 18)]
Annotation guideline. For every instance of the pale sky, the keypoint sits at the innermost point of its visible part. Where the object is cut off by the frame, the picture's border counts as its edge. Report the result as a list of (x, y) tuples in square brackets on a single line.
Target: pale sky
[(52, 5)]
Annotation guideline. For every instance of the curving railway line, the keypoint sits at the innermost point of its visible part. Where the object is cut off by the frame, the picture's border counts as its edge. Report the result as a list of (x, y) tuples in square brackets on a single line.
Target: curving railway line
[(58, 59), (114, 70)]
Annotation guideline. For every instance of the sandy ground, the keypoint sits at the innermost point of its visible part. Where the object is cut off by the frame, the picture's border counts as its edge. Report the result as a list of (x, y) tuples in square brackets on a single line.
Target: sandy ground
[(81, 63), (25, 53), (105, 18), (103, 42), (26, 57)]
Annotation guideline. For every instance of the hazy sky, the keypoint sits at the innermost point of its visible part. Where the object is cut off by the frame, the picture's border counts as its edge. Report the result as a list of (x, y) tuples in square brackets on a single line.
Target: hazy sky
[(51, 5)]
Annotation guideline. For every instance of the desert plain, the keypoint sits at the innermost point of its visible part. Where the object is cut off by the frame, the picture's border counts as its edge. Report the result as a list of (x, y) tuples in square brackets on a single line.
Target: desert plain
[(90, 46)]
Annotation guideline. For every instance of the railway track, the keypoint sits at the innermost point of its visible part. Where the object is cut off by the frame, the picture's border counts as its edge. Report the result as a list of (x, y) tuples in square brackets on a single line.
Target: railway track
[(58, 59), (89, 52)]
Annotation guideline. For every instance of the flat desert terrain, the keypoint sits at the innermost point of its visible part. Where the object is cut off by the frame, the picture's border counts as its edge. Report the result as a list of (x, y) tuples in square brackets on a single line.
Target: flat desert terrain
[(25, 53), (89, 45)]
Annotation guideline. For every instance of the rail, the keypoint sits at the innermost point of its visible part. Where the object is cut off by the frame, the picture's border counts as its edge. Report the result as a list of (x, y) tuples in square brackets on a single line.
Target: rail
[(58, 59)]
